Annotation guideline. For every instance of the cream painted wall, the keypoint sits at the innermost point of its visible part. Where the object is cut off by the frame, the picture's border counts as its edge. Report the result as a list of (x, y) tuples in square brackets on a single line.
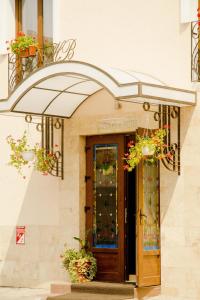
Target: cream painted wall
[(7, 23), (3, 76), (144, 36), (34, 202)]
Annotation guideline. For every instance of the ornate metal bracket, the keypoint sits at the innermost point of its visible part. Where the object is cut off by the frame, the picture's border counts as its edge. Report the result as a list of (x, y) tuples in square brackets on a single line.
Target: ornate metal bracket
[(195, 51), (20, 68), (168, 117), (52, 140)]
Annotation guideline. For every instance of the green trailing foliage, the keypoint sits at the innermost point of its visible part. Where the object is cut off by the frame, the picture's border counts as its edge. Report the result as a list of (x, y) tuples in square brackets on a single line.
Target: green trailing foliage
[(154, 142), (17, 147), (42, 162)]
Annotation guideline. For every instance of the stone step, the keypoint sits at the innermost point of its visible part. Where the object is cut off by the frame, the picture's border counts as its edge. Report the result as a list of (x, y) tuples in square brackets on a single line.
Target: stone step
[(101, 291), (90, 296), (126, 289)]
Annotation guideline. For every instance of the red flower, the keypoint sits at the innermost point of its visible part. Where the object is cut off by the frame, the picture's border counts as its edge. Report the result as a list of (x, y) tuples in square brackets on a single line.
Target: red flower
[(126, 167), (21, 33), (166, 126), (169, 155), (126, 155)]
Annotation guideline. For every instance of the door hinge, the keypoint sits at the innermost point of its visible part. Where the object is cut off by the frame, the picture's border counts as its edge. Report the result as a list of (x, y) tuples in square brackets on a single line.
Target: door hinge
[(87, 177)]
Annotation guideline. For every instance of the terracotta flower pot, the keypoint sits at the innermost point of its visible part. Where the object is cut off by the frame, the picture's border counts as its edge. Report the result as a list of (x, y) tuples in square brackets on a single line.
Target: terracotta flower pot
[(24, 53), (32, 50)]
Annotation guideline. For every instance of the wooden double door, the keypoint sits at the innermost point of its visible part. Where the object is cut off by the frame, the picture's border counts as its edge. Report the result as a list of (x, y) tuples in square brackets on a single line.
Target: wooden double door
[(107, 202)]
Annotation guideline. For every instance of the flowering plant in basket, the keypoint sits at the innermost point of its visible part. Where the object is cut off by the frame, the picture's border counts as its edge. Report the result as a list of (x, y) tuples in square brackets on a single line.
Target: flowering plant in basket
[(150, 147), (44, 160), (81, 265), (22, 43), (24, 155)]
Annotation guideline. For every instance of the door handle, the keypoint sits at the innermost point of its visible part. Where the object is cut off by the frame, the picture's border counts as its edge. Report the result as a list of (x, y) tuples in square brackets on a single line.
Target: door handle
[(142, 216)]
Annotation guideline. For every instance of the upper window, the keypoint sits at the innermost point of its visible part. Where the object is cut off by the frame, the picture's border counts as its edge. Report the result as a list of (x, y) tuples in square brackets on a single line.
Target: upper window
[(30, 17), (47, 20), (35, 18)]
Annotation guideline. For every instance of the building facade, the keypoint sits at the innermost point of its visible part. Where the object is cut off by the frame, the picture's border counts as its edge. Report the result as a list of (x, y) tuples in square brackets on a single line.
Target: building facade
[(131, 69)]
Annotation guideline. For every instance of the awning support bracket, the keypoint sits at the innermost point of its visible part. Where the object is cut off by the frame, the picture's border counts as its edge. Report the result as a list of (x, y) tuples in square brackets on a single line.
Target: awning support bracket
[(50, 128), (52, 140), (168, 117)]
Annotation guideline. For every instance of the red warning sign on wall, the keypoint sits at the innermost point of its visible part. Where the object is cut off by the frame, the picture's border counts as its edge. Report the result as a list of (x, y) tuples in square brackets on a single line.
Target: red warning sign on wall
[(20, 235)]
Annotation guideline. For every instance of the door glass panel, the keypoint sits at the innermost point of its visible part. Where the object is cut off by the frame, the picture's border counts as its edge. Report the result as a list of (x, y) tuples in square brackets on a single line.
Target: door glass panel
[(151, 233), (105, 196)]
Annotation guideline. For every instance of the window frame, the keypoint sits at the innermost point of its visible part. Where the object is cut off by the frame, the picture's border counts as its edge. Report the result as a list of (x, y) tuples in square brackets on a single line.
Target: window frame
[(18, 20)]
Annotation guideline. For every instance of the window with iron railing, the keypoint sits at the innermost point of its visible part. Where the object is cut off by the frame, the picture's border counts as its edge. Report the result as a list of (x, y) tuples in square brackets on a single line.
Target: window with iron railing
[(35, 19)]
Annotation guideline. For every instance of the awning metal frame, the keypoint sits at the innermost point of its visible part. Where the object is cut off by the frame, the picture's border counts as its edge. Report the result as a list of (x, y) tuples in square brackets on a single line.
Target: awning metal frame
[(60, 88)]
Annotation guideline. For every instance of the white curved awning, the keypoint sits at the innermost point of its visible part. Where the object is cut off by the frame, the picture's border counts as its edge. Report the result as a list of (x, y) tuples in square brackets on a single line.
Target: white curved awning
[(60, 88)]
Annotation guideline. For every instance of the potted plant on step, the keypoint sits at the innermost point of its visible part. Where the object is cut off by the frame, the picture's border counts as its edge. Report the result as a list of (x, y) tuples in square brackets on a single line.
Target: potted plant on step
[(24, 45), (80, 264), (150, 147)]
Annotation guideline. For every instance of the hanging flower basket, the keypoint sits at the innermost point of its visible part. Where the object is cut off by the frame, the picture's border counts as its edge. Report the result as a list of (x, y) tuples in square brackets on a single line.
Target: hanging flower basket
[(23, 155), (150, 147)]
